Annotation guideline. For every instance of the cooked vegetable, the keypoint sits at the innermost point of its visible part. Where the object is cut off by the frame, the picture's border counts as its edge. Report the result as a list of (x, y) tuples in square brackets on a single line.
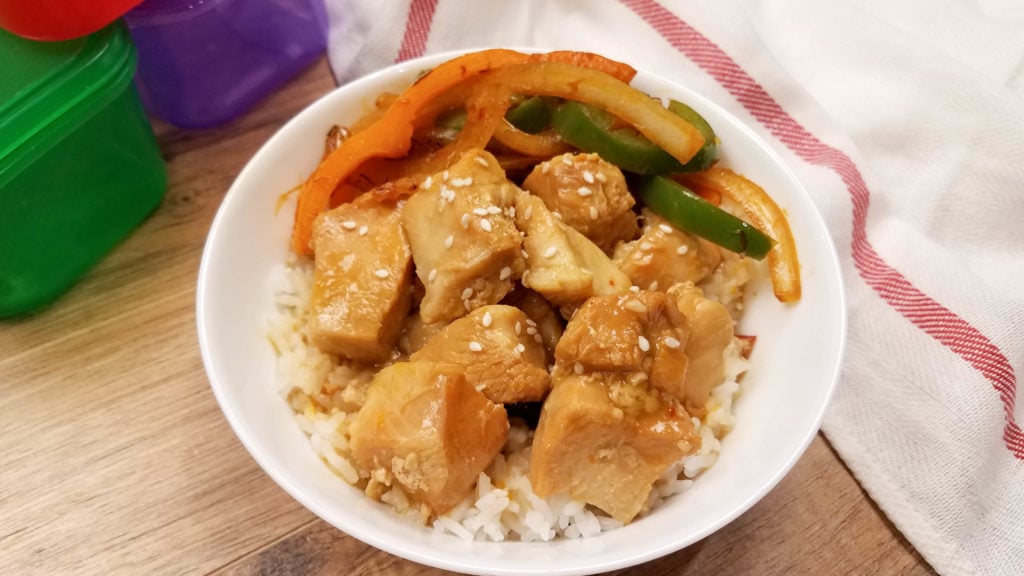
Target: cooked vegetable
[(783, 263), (689, 212), (391, 135), (709, 152), (532, 115), (594, 130)]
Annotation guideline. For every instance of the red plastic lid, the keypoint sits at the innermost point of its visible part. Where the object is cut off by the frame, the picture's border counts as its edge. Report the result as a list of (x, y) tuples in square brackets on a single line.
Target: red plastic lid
[(60, 19)]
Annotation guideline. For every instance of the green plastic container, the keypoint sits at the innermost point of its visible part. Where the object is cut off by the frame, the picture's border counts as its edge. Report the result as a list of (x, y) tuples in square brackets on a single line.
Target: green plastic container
[(79, 166)]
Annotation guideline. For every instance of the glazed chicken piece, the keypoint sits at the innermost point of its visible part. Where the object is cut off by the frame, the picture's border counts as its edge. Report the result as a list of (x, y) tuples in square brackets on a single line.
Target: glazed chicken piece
[(361, 282), (563, 265), (605, 439), (429, 430), (637, 332), (545, 319), (589, 194), (665, 255), (711, 331), (498, 350), (465, 245), (416, 333)]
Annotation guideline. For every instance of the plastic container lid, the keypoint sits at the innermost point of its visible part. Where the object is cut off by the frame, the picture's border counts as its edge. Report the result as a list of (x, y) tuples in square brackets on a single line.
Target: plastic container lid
[(48, 82), (60, 19)]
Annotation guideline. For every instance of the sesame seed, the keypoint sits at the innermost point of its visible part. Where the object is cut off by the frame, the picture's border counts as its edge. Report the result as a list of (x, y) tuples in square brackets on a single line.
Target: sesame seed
[(525, 255), (428, 182), (511, 211), (486, 320), (348, 225), (476, 347), (545, 168), (481, 161), (486, 225), (530, 331), (671, 342), (520, 348), (480, 211), (462, 182), (550, 252), (449, 241), (556, 214), (493, 210), (467, 293), (433, 275), (505, 273), (634, 288), (593, 213), (567, 160), (643, 343), (519, 328), (646, 245), (447, 193), (465, 221), (538, 339), (653, 286), (588, 176), (444, 175), (584, 191), (363, 230), (634, 305), (665, 228), (381, 273), (682, 249), (528, 212), (530, 322), (601, 177), (577, 368)]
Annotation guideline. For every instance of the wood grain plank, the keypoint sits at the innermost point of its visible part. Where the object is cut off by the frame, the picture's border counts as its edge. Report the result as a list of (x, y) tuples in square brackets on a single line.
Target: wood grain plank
[(817, 521)]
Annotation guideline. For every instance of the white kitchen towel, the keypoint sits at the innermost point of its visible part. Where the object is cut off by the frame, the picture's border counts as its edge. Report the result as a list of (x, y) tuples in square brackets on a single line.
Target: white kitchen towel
[(905, 121)]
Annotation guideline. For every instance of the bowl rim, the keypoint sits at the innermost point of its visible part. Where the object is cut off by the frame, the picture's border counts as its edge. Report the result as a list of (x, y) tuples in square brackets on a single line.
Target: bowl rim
[(234, 195)]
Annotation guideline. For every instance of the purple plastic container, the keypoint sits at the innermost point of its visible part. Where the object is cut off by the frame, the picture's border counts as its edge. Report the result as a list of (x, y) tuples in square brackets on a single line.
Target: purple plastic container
[(204, 62)]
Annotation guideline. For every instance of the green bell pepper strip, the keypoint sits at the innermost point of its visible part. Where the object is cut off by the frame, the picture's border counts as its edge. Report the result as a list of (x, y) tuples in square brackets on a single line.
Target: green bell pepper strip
[(709, 152), (531, 115), (591, 129), (687, 211)]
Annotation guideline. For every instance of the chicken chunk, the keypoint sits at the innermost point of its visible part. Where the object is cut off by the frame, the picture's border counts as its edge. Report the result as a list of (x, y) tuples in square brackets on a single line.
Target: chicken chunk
[(562, 264), (416, 333), (544, 317), (665, 255), (426, 428), (500, 353), (467, 250), (641, 332), (711, 331), (589, 194), (361, 281), (605, 439)]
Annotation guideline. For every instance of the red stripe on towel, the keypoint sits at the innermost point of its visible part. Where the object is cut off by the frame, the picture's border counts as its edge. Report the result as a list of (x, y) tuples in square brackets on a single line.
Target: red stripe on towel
[(417, 29), (933, 318)]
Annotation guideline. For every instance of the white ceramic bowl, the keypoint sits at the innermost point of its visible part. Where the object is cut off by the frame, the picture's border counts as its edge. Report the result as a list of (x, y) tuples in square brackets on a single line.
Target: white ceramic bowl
[(795, 364)]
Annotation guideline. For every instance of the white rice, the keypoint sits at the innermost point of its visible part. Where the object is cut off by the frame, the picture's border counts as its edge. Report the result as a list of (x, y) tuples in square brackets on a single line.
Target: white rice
[(326, 396)]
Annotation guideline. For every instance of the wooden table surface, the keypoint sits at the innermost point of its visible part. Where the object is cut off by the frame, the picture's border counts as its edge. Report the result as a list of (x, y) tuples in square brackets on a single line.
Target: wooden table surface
[(116, 459)]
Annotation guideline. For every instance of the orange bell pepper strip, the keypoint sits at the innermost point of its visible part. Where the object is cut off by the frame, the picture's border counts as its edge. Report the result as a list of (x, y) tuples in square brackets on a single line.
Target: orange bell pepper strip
[(391, 135), (764, 213)]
